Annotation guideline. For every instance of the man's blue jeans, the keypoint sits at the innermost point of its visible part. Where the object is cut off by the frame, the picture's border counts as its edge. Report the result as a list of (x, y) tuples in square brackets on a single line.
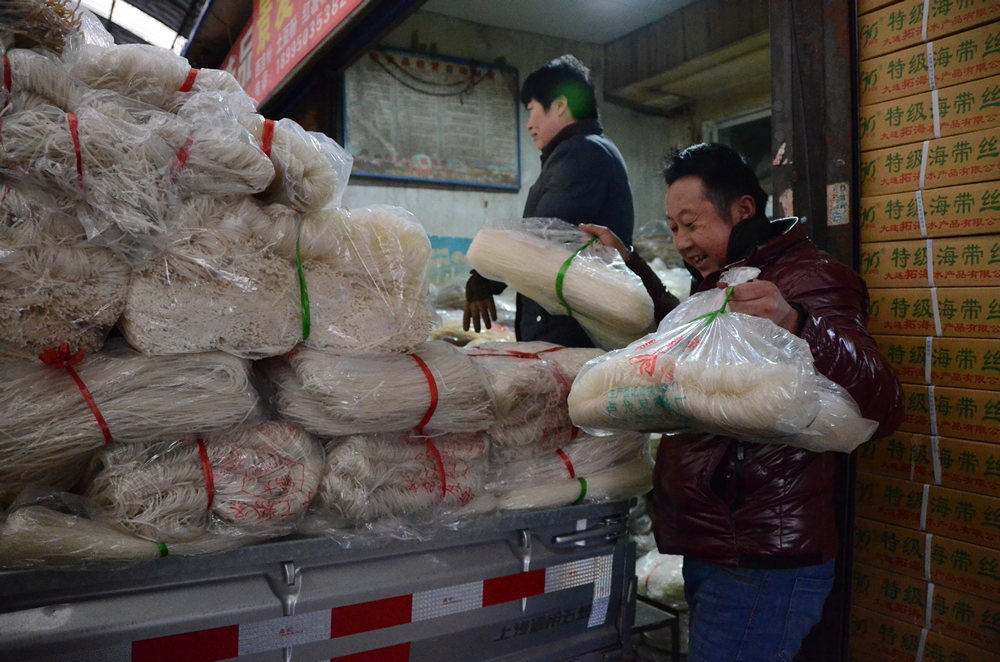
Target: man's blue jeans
[(744, 615)]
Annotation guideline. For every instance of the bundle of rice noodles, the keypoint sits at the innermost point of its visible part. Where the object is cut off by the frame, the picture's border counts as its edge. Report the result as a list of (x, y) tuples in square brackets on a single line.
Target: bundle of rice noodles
[(117, 169), (624, 480), (216, 286), (366, 274), (47, 23), (311, 169), (838, 426), (150, 74), (48, 432), (333, 395), (256, 483), (569, 359), (584, 456), (55, 286), (375, 476), (565, 271), (33, 76)]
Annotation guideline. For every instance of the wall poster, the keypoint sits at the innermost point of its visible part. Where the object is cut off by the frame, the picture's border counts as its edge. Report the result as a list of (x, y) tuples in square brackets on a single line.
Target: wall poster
[(429, 118)]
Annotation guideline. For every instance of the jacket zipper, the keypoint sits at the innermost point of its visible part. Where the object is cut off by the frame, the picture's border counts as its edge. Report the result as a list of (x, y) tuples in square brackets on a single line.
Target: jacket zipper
[(739, 476)]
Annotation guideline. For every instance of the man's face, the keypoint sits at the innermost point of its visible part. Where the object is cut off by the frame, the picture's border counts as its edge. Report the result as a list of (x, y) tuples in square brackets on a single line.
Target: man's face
[(543, 125), (701, 234)]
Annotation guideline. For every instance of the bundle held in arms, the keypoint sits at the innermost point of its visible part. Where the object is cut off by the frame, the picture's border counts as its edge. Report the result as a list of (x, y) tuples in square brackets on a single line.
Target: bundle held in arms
[(711, 370), (568, 273), (372, 477), (255, 483), (55, 286), (436, 388), (216, 286), (49, 428)]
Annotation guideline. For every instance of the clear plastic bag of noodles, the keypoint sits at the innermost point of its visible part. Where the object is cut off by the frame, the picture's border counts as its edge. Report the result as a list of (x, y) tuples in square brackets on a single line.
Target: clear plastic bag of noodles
[(36, 79), (116, 171), (45, 23), (58, 413), (707, 369), (253, 483), (398, 478), (364, 273), (55, 286), (311, 169), (217, 285), (50, 528), (567, 272)]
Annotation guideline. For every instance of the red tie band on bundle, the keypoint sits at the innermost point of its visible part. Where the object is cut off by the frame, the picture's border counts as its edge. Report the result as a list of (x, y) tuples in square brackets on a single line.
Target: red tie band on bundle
[(182, 156), (440, 466), (189, 81), (206, 468), (267, 137), (65, 359), (434, 398), (75, 132), (567, 462)]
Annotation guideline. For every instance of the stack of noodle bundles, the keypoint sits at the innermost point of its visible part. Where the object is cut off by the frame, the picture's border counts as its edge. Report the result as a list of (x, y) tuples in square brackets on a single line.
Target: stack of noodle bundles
[(366, 273), (565, 271), (311, 170), (256, 483), (333, 395), (369, 477), (117, 171), (55, 286), (626, 479), (150, 74), (37, 79), (216, 286), (49, 432), (584, 456), (48, 23)]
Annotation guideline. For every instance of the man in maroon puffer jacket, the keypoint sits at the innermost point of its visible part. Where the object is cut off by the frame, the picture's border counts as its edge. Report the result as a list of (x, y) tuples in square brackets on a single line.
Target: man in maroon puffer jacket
[(755, 522)]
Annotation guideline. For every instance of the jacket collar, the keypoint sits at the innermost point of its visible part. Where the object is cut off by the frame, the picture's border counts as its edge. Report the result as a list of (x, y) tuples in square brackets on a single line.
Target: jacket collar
[(754, 242), (579, 127)]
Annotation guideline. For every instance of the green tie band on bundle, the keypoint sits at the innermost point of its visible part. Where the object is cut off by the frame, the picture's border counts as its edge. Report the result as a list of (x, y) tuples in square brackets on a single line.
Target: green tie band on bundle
[(303, 290), (163, 549), (583, 490), (562, 276)]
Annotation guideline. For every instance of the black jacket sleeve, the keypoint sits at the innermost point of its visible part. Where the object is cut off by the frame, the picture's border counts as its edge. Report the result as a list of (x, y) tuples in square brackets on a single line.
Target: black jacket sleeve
[(663, 300)]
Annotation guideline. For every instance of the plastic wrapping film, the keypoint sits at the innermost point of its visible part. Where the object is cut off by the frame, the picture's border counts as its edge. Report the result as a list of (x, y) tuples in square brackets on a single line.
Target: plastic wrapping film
[(50, 430), (255, 483), (399, 477), (311, 169), (32, 78), (45, 23), (365, 273), (623, 480), (55, 286), (710, 370), (436, 389), (216, 286), (563, 269)]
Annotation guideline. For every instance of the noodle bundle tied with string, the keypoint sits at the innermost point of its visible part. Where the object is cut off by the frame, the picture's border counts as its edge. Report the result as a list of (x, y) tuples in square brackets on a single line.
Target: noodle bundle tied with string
[(626, 479), (256, 483), (396, 475), (48, 431), (437, 388), (216, 286), (565, 271), (47, 23)]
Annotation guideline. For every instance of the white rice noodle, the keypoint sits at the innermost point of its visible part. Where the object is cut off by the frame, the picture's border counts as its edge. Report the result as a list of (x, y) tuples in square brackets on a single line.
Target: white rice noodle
[(311, 169), (216, 286), (55, 286), (34, 75), (604, 296), (333, 395), (47, 23), (569, 359), (371, 477), (48, 432), (628, 479), (262, 482)]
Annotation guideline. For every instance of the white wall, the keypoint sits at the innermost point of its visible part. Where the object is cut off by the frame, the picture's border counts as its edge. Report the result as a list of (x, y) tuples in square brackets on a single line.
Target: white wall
[(644, 140)]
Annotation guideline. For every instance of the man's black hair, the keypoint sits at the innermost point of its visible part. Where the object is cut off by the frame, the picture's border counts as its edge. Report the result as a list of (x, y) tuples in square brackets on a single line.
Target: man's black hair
[(563, 77), (725, 173)]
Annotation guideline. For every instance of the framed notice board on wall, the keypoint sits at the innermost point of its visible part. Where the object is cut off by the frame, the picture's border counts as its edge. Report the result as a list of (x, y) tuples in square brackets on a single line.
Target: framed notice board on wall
[(428, 118)]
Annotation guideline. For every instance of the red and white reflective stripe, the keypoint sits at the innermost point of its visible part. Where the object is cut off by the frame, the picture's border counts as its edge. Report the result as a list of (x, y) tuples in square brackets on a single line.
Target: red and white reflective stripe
[(287, 631)]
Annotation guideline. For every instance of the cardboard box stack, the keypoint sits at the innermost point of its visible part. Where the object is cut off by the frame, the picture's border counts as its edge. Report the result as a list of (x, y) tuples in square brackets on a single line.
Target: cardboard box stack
[(926, 581)]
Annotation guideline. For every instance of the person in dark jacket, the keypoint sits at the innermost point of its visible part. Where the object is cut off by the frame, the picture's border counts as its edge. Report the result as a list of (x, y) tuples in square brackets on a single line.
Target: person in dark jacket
[(755, 522), (583, 180)]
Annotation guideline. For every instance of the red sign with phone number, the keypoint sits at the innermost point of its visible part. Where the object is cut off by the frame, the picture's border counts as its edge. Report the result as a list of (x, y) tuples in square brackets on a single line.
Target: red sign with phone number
[(280, 35)]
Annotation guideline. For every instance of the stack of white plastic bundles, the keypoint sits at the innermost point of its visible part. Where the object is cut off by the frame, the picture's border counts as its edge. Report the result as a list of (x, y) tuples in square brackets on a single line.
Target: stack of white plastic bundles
[(364, 272), (253, 484), (54, 417), (568, 273), (55, 286), (435, 389), (402, 476), (311, 170), (217, 285)]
